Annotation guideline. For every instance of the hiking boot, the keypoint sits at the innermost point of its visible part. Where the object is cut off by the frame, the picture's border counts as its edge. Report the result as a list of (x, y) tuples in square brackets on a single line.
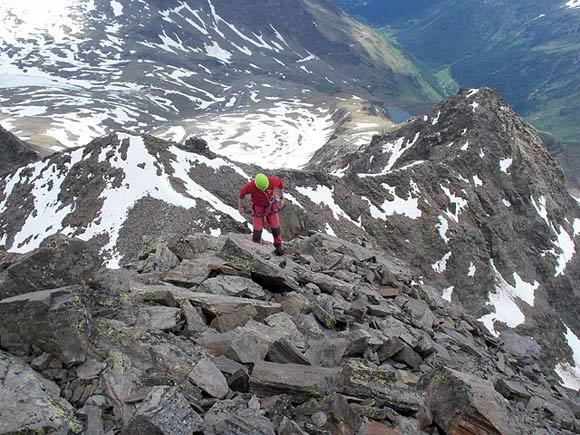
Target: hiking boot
[(279, 251)]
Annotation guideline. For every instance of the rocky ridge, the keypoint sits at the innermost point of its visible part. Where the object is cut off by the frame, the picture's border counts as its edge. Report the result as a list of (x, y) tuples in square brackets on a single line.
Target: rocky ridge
[(215, 335), (467, 194), (15, 153)]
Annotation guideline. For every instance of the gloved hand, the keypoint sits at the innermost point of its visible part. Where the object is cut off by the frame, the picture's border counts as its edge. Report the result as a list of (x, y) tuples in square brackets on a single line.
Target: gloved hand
[(281, 203)]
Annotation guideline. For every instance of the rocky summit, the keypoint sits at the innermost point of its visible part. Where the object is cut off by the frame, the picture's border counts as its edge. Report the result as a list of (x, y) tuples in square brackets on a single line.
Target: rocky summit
[(216, 335)]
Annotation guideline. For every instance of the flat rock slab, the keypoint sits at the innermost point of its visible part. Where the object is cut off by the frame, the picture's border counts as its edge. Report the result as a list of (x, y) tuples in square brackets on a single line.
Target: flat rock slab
[(31, 404), (463, 404), (211, 303), (272, 378), (249, 259), (208, 377), (54, 320), (232, 286), (164, 411), (191, 273)]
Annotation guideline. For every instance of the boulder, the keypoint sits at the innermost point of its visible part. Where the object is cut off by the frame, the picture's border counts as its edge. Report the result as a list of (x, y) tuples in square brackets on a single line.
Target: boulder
[(241, 316), (226, 418), (209, 378), (54, 320), (464, 404), (158, 318), (190, 273), (165, 411), (524, 349), (284, 352), (30, 404), (232, 286), (59, 262), (298, 380), (361, 381), (244, 256), (161, 259), (326, 352)]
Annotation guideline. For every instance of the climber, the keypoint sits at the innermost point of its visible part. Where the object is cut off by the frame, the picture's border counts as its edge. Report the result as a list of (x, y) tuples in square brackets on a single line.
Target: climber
[(264, 205)]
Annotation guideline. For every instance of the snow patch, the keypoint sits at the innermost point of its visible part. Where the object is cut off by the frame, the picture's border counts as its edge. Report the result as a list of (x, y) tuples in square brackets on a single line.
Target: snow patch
[(441, 265), (459, 203), (477, 181), (443, 227), (447, 293), (505, 164), (570, 374), (472, 269), (504, 301), (322, 195)]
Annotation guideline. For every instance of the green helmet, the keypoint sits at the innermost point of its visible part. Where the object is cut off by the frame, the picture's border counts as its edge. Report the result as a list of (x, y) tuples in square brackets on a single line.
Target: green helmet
[(261, 181)]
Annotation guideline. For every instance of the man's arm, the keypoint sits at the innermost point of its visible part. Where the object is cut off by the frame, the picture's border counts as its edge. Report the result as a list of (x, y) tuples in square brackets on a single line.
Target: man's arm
[(243, 193), (281, 189)]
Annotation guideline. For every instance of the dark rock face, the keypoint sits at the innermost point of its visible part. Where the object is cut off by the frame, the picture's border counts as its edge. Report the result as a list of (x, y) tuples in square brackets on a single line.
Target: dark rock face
[(58, 262), (15, 153), (30, 403)]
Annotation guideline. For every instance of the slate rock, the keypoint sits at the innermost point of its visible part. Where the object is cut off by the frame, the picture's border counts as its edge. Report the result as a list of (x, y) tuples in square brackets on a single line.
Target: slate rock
[(30, 404), (462, 403), (342, 418), (298, 380), (190, 273), (195, 321), (242, 255), (525, 349), (237, 374), (358, 340), (232, 286), (54, 320), (239, 317), (58, 262), (359, 380), (236, 421), (512, 389), (90, 369), (208, 377), (326, 352), (161, 259), (158, 318), (283, 351), (165, 411)]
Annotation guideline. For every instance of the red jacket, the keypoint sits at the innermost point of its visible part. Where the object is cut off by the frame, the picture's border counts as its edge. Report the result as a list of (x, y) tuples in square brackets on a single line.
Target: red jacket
[(262, 197)]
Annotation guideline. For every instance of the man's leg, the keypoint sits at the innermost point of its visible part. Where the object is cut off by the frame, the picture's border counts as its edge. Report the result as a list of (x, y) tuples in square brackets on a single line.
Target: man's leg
[(258, 224), (274, 223)]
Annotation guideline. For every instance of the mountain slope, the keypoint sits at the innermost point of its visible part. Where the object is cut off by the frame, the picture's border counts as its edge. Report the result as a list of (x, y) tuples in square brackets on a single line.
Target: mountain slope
[(467, 194), (171, 67), (15, 153), (527, 50)]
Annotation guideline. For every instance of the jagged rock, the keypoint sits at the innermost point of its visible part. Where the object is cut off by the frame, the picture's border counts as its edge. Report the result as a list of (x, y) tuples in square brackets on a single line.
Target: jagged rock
[(209, 303), (226, 419), (464, 404), (284, 323), (158, 318), (54, 320), (248, 347), (90, 369), (164, 411), (409, 357), (302, 381), (376, 428), (358, 341), (361, 381), (232, 286), (59, 262), (162, 259), (190, 273), (15, 153), (31, 404), (120, 381), (208, 377), (239, 317), (241, 255), (236, 373), (390, 348), (512, 389), (288, 427), (325, 317), (525, 349), (421, 314), (195, 321), (342, 418), (326, 283), (41, 362), (284, 352), (191, 246), (95, 421), (327, 352)]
